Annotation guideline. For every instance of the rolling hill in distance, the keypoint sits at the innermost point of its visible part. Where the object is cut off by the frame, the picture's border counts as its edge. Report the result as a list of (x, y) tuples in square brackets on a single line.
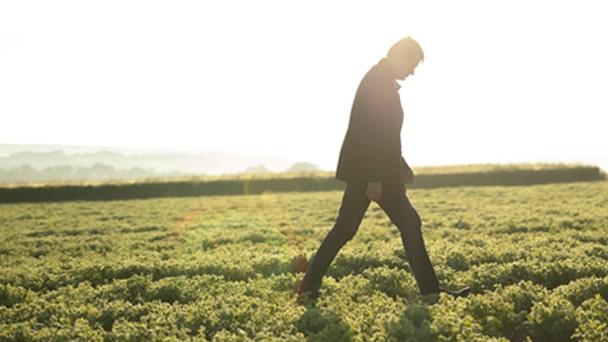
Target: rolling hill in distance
[(161, 163)]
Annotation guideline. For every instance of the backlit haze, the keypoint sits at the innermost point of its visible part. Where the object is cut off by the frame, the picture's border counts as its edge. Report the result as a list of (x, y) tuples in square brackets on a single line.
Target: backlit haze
[(509, 81)]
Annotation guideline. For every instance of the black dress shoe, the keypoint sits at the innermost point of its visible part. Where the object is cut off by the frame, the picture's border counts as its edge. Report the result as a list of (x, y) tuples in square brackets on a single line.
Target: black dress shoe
[(463, 292)]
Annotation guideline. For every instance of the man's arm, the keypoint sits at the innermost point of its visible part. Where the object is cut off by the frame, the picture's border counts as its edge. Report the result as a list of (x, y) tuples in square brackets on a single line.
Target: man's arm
[(408, 173)]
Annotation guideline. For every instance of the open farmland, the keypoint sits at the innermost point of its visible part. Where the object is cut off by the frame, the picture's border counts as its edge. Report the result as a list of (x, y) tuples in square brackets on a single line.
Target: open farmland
[(225, 268)]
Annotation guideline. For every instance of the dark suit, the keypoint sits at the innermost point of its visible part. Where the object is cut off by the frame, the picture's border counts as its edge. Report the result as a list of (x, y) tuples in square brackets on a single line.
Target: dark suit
[(371, 152), (372, 146)]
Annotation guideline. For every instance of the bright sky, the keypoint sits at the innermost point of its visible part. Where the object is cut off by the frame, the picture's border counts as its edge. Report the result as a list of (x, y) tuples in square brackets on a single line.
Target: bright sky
[(502, 81)]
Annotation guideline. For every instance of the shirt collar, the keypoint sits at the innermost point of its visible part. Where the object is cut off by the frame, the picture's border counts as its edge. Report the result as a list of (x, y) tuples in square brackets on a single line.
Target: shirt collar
[(396, 85)]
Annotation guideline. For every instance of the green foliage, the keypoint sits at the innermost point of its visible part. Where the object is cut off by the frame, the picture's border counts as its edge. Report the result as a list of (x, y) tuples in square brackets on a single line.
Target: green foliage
[(592, 316), (413, 325), (318, 325), (225, 268), (552, 319)]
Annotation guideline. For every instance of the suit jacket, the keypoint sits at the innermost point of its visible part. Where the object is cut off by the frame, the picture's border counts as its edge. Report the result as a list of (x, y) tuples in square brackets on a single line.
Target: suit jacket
[(371, 150)]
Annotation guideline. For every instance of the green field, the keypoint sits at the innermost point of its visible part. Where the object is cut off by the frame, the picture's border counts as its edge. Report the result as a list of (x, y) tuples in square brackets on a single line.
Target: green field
[(225, 268)]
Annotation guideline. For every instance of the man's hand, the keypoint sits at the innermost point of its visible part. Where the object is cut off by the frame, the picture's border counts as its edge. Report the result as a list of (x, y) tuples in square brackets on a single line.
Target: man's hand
[(408, 176), (374, 191)]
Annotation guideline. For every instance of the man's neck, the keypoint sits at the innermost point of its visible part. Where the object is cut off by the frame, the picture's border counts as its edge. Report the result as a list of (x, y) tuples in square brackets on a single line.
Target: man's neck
[(386, 67)]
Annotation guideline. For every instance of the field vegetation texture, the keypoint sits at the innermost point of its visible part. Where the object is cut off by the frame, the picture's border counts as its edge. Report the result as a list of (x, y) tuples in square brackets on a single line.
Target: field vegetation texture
[(225, 268)]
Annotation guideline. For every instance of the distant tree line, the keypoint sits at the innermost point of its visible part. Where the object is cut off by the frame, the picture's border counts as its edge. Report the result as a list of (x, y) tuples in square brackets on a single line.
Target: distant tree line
[(188, 163), (102, 172), (295, 168), (279, 183), (97, 172)]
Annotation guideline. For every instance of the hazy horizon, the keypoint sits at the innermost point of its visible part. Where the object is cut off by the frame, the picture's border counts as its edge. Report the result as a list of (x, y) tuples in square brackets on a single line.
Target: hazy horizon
[(275, 163), (515, 82)]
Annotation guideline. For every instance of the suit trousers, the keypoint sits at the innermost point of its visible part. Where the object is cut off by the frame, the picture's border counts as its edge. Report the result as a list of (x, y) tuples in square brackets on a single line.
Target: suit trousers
[(396, 205)]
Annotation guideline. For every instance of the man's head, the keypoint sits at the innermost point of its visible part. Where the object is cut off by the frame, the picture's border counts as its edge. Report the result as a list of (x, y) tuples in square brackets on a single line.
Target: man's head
[(403, 57)]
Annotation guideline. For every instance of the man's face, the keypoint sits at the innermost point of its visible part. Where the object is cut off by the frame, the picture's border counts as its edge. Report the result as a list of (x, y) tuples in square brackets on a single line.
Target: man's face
[(405, 67)]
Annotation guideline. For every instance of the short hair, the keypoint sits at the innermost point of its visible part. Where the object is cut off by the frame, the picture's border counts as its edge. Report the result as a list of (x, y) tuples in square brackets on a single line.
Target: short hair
[(406, 46)]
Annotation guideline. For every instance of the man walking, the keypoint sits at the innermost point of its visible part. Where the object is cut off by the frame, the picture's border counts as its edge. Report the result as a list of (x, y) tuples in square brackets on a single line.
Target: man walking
[(372, 166)]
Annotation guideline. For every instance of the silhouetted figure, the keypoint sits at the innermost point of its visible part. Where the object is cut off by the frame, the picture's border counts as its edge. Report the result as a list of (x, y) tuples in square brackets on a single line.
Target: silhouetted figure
[(373, 168)]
